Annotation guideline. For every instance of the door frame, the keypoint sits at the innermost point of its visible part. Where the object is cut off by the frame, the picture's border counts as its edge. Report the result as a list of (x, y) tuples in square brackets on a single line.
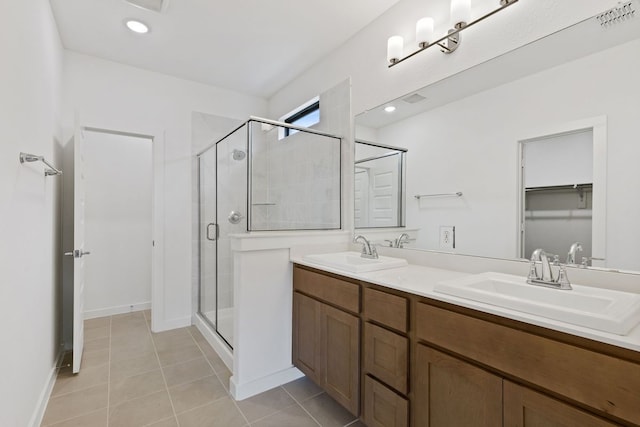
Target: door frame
[(157, 137), (598, 125)]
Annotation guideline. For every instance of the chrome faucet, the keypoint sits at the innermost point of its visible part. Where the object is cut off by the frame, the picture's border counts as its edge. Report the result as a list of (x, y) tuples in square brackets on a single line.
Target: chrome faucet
[(398, 242), (546, 277), (571, 256), (368, 250)]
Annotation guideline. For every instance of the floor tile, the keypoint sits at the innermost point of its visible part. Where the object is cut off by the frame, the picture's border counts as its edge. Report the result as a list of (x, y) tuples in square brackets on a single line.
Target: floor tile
[(135, 340), (95, 333), (97, 344), (327, 411), (356, 423), (197, 393), (169, 422), (173, 355), (125, 353), (221, 413), (93, 419), (264, 404), (293, 416), (95, 358), (302, 389), (172, 379), (97, 323), (68, 382), (134, 366), (133, 387), (72, 405), (186, 372), (141, 411), (216, 362)]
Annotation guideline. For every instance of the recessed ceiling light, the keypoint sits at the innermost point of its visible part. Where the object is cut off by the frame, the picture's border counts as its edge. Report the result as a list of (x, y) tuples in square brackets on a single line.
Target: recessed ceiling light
[(389, 108), (137, 26)]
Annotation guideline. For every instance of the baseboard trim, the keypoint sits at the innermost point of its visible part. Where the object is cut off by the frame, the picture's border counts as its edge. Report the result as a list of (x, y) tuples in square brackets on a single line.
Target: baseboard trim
[(110, 311), (166, 325), (45, 394), (214, 341), (244, 391)]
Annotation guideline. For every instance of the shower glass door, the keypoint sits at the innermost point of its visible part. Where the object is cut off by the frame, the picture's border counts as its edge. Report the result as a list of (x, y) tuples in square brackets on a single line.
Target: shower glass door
[(223, 211)]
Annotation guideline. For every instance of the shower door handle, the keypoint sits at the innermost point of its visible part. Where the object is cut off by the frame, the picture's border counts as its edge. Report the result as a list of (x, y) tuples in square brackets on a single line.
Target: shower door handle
[(215, 231)]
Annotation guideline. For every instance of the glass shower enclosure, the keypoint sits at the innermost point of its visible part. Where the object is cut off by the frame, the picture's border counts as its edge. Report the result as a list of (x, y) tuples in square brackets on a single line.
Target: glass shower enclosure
[(260, 178)]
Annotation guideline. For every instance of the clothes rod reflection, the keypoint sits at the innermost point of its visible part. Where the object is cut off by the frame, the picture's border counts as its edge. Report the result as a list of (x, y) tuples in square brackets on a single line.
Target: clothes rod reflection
[(420, 196)]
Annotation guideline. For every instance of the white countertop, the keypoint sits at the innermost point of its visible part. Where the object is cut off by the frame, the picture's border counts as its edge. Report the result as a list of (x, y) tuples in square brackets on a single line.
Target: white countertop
[(420, 280)]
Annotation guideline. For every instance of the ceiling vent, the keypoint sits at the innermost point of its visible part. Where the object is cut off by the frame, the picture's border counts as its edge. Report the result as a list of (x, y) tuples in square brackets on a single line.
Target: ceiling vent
[(413, 99), (153, 5)]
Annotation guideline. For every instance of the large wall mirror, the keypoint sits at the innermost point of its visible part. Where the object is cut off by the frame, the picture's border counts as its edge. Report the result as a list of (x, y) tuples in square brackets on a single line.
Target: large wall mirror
[(535, 148)]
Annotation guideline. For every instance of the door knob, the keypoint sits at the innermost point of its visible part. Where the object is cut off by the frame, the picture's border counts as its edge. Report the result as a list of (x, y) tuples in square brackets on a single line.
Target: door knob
[(77, 253), (235, 217)]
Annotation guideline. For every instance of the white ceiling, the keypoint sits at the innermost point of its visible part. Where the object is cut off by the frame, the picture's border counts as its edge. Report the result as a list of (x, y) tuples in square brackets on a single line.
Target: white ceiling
[(250, 46)]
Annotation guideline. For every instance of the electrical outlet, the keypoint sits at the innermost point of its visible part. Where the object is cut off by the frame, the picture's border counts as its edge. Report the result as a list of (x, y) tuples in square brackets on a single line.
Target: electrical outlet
[(447, 237)]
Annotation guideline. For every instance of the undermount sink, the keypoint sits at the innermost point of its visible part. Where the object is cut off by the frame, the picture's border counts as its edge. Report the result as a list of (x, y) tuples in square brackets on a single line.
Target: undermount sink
[(602, 309), (354, 263)]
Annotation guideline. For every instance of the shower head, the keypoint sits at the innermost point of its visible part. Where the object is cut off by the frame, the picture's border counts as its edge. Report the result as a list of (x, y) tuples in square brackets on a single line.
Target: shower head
[(238, 154)]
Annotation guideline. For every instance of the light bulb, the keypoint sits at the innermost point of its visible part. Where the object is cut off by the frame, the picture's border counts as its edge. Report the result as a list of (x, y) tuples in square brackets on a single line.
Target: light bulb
[(424, 31), (137, 26), (460, 12), (395, 45)]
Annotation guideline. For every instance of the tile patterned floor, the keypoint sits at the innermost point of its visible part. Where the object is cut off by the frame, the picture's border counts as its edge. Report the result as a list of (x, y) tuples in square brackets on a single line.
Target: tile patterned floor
[(132, 377)]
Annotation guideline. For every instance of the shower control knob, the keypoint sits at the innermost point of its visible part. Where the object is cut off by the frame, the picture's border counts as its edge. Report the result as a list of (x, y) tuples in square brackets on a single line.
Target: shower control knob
[(235, 217)]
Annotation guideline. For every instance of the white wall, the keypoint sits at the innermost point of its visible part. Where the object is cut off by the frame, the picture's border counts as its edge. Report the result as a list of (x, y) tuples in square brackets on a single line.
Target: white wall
[(114, 96), (481, 158), (31, 56), (363, 57), (118, 180)]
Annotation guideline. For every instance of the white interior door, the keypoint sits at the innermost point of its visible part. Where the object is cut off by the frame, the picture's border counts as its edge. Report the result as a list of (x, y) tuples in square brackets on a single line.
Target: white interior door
[(79, 249), (384, 196)]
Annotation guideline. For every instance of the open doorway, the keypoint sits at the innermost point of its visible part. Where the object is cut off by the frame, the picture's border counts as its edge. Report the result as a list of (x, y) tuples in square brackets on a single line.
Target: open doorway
[(563, 192), (118, 222), (112, 206)]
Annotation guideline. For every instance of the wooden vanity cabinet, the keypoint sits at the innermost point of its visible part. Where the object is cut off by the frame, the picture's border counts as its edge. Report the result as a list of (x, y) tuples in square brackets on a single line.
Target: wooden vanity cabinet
[(326, 336), (424, 363)]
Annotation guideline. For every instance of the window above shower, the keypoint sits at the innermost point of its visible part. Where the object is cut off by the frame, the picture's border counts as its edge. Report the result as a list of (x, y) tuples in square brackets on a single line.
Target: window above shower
[(306, 115)]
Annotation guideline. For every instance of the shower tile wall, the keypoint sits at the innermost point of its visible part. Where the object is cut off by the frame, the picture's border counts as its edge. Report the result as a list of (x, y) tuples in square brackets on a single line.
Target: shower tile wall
[(296, 181)]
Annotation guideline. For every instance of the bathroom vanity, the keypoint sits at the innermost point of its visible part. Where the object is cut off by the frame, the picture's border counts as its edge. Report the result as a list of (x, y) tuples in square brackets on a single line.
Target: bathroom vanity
[(396, 353)]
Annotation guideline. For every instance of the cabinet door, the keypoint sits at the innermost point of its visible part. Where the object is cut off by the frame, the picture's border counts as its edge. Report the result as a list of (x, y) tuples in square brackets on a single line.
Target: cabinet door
[(382, 406), (450, 392), (341, 339), (386, 356), (524, 407), (307, 351)]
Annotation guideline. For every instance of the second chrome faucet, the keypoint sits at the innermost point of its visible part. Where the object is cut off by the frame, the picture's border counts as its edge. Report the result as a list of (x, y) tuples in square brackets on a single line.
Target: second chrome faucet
[(368, 250)]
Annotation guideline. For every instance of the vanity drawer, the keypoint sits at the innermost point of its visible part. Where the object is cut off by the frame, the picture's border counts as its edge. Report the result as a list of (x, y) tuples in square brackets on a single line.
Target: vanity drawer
[(603, 382), (386, 356), (387, 309), (338, 292), (383, 407)]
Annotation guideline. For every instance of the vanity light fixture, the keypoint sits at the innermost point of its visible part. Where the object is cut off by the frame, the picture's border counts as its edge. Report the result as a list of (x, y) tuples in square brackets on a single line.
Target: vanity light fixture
[(137, 26), (461, 19), (389, 108)]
